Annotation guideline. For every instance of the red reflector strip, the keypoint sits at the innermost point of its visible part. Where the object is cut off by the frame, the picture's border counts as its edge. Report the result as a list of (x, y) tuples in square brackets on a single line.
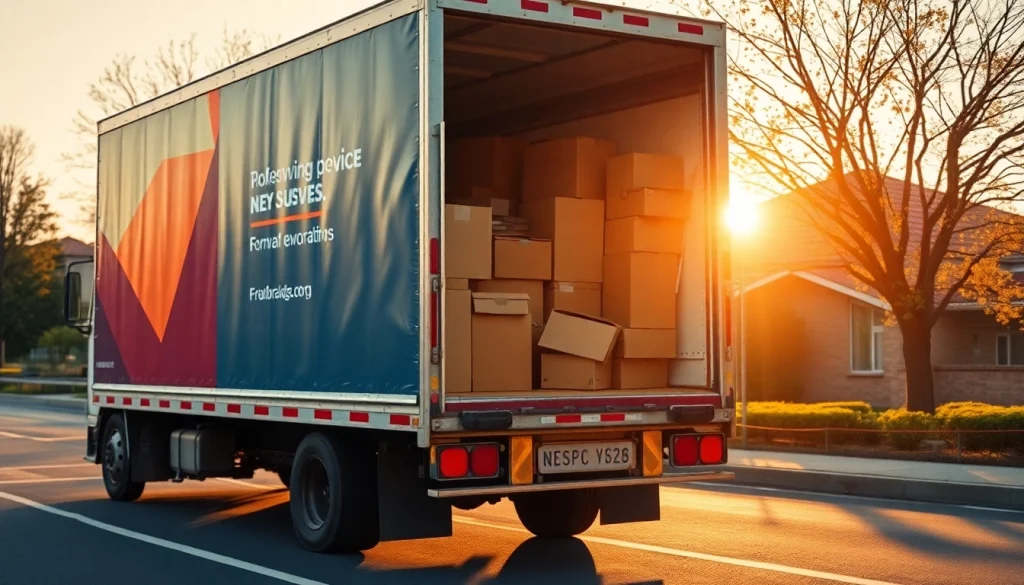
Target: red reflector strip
[(435, 256), (615, 417), (95, 397), (359, 417), (110, 399), (290, 412), (186, 406), (144, 402), (322, 415), (126, 401), (209, 407), (534, 5), (235, 408), (401, 419), (691, 29), (261, 410), (477, 1), (435, 334), (591, 13), (165, 404), (634, 20), (568, 419)]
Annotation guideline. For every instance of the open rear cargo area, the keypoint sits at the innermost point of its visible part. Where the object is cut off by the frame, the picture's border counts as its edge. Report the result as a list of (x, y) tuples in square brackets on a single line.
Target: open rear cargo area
[(576, 226)]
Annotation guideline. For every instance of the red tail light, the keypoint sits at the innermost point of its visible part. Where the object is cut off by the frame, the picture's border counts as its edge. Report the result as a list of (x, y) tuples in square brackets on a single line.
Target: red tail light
[(483, 461), (693, 449), (712, 449), (453, 462), (467, 460), (684, 450)]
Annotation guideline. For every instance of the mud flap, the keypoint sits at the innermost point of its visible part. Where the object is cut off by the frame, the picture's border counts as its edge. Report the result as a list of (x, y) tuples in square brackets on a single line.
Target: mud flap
[(149, 446), (406, 512), (622, 505)]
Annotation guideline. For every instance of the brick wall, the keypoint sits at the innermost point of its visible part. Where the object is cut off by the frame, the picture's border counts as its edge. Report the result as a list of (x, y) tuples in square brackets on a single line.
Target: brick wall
[(989, 384)]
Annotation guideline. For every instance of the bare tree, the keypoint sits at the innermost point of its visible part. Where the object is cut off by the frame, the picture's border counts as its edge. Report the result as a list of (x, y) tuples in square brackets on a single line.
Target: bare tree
[(127, 82), (833, 99)]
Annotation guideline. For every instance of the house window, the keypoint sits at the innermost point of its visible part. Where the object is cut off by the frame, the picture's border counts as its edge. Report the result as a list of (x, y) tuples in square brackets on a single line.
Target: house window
[(1010, 349), (865, 339)]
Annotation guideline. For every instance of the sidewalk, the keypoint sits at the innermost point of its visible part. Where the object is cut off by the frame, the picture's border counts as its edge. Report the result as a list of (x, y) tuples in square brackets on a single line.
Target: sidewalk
[(977, 485)]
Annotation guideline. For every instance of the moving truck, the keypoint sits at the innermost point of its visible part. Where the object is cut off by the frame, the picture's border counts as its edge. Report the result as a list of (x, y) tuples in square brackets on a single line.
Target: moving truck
[(278, 243)]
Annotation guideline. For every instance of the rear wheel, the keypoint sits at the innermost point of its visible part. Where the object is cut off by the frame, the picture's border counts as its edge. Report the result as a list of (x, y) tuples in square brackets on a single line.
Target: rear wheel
[(333, 496), (117, 471), (557, 514)]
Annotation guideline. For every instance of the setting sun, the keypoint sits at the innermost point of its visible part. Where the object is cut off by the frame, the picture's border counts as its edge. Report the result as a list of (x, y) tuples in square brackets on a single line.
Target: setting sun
[(741, 216)]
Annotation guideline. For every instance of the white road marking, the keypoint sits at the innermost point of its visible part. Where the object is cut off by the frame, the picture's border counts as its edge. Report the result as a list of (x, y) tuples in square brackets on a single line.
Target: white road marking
[(695, 555), (48, 480), (182, 548), (250, 485), (9, 435), (32, 467)]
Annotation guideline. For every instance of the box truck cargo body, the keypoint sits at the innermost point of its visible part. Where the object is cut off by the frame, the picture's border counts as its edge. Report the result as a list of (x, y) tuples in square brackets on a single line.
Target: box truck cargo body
[(288, 278)]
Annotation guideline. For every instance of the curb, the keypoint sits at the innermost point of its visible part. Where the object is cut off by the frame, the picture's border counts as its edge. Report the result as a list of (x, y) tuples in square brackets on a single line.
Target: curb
[(873, 486), (65, 404)]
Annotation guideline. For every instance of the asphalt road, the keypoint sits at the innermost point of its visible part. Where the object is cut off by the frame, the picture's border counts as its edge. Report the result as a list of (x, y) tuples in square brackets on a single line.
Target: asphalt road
[(56, 526)]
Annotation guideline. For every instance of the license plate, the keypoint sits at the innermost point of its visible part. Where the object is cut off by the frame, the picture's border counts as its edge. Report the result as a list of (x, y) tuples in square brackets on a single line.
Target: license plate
[(583, 457)]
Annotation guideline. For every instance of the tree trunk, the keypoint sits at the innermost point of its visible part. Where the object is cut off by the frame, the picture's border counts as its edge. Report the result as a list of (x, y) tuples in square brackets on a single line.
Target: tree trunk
[(917, 357)]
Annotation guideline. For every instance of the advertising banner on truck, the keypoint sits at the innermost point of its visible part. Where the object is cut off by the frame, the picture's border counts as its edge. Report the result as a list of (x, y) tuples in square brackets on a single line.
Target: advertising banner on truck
[(265, 236)]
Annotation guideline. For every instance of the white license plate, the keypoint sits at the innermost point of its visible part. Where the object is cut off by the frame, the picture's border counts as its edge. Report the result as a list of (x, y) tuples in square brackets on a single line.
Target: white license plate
[(583, 457)]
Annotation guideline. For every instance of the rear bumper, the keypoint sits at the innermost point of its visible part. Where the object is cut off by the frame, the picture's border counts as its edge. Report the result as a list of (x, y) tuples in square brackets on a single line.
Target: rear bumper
[(504, 490)]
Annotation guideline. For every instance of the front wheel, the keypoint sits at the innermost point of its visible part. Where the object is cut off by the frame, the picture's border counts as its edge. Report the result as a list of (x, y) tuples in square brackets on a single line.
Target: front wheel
[(558, 514), (117, 471)]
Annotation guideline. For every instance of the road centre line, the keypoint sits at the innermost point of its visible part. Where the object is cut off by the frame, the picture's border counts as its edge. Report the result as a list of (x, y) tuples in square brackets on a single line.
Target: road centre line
[(182, 548), (48, 480), (34, 467), (9, 435), (695, 555)]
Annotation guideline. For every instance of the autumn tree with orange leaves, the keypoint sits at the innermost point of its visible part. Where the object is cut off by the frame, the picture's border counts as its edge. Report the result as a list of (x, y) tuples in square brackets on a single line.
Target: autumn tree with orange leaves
[(831, 97)]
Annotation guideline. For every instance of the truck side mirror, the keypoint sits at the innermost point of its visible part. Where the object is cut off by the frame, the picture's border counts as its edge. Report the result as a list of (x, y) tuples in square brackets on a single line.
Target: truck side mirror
[(78, 303)]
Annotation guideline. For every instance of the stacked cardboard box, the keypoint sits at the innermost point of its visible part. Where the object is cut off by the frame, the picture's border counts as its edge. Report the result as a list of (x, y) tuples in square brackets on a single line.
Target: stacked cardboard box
[(645, 209), (584, 346)]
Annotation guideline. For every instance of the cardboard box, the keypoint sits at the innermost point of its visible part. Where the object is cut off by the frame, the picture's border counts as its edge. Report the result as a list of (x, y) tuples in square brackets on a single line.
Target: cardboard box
[(522, 258), (458, 344), (500, 204), (639, 291), (576, 230), (532, 288), (569, 372), (456, 283), (502, 334), (638, 171), (648, 203), (493, 161), (566, 167), (643, 234), (467, 242), (580, 335), (630, 374), (646, 343), (574, 297)]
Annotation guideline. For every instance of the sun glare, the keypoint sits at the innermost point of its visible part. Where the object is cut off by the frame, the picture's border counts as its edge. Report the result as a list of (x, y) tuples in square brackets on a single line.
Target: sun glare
[(741, 216)]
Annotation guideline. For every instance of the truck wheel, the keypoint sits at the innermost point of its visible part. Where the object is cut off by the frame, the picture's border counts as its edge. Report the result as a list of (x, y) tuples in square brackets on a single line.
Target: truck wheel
[(557, 514), (117, 462), (333, 496)]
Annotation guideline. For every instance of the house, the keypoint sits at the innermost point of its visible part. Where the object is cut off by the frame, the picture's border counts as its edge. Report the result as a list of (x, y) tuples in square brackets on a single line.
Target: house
[(815, 333), (73, 250)]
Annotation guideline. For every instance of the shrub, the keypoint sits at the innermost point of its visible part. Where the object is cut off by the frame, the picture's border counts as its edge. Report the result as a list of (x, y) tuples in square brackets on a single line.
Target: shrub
[(901, 419), (800, 416), (984, 417), (856, 406)]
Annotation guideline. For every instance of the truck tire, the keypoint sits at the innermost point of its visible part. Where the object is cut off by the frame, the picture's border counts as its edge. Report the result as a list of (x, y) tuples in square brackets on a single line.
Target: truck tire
[(117, 470), (557, 514), (333, 496)]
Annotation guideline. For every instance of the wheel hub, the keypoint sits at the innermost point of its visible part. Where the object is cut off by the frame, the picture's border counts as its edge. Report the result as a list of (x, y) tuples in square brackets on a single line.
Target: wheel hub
[(114, 456), (316, 493)]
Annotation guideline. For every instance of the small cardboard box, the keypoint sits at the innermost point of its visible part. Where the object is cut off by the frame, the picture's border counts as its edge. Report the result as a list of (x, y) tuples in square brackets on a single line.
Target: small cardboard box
[(630, 374), (568, 372), (566, 167), (458, 344), (639, 291), (643, 234), (491, 161), (486, 197), (646, 344), (502, 334), (467, 242), (573, 297), (522, 258), (648, 203), (532, 288), (638, 170), (456, 283), (576, 230), (580, 335)]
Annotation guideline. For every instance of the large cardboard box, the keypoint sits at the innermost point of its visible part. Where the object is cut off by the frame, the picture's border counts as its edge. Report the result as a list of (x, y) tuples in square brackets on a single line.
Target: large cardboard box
[(574, 297), (576, 230), (648, 203), (639, 170), (467, 241), (456, 283), (580, 335), (646, 343), (522, 258), (639, 291), (499, 203), (458, 345), (643, 234), (630, 374), (493, 161), (532, 288), (569, 372), (566, 167), (502, 334)]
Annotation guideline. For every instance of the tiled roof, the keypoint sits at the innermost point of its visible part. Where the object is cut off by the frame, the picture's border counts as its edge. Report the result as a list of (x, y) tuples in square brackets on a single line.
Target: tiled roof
[(73, 247)]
